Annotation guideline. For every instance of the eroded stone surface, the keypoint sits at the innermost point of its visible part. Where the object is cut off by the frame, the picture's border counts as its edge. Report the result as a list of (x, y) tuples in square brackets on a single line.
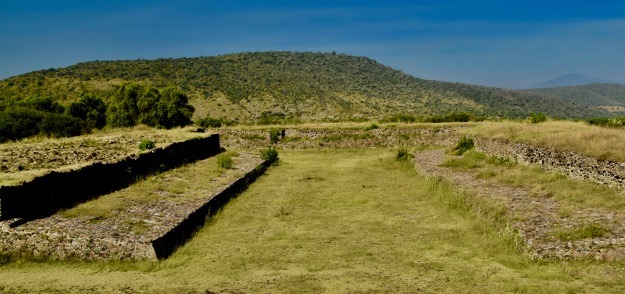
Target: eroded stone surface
[(536, 218), (128, 234)]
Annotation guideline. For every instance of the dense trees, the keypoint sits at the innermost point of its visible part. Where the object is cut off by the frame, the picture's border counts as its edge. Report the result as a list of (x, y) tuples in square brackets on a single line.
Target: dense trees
[(163, 108), (131, 104), (90, 109)]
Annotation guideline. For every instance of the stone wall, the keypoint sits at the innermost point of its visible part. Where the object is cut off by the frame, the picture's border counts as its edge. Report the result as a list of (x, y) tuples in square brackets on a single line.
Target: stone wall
[(54, 191), (167, 224), (569, 163)]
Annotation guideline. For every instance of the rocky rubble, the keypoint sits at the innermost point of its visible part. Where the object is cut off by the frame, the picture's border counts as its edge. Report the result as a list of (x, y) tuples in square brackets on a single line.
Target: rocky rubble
[(536, 219), (569, 163), (333, 138), (128, 234)]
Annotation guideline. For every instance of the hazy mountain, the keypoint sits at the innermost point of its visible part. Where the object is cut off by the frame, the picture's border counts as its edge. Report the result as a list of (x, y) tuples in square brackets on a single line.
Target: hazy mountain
[(569, 80), (605, 96), (308, 86)]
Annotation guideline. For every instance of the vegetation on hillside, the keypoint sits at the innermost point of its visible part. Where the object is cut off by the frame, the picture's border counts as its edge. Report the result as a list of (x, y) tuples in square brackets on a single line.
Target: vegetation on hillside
[(610, 97), (286, 86), (130, 105)]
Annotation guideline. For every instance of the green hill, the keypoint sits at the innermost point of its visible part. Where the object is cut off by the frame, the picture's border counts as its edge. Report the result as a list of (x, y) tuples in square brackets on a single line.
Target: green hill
[(308, 86), (610, 97)]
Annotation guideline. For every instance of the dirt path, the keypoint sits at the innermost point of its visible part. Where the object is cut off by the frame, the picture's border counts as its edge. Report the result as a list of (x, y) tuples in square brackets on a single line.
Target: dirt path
[(536, 218)]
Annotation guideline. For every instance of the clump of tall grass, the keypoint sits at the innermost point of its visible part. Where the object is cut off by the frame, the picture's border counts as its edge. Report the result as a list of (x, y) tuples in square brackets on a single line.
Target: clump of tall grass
[(464, 144), (403, 154)]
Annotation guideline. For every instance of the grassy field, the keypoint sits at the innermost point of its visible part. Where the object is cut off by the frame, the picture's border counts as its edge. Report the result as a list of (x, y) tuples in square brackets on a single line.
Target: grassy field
[(333, 221), (561, 135)]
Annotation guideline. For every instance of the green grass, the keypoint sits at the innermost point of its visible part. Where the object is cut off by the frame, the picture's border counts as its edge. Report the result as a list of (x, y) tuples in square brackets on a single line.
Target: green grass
[(572, 194), (187, 182), (338, 221)]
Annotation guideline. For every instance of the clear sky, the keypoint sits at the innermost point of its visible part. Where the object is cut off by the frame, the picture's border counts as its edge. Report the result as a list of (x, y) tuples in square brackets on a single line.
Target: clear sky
[(497, 43)]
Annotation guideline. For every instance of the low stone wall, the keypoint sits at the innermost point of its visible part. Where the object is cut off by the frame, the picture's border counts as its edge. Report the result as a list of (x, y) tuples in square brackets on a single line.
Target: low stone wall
[(168, 225), (333, 138), (569, 163), (54, 191)]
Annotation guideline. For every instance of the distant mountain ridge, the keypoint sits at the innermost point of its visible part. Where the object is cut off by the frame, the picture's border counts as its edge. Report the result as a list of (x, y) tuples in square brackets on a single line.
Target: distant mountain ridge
[(299, 85), (610, 97), (570, 80)]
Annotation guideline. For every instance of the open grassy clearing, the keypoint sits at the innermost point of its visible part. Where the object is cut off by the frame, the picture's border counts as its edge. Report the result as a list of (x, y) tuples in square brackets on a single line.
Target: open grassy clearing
[(571, 194), (333, 221), (599, 142)]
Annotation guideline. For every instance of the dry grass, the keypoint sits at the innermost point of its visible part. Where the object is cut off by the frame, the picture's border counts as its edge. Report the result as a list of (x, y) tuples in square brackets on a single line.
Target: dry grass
[(602, 143), (186, 183), (571, 194), (337, 221)]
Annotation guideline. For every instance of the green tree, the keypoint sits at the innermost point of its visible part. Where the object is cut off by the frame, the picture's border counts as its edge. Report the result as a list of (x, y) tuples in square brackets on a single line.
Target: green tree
[(123, 111), (91, 109), (147, 104), (45, 104), (173, 108)]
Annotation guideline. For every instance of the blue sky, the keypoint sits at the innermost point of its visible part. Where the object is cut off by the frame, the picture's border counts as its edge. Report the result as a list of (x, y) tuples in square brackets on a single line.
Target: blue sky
[(497, 43)]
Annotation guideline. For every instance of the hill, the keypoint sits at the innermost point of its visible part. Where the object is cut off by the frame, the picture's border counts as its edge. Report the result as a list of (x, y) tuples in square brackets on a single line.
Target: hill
[(610, 97), (307, 86), (569, 80)]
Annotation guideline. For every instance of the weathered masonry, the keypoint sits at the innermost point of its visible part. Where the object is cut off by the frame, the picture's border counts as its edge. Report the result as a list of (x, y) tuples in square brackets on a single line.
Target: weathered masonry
[(47, 194)]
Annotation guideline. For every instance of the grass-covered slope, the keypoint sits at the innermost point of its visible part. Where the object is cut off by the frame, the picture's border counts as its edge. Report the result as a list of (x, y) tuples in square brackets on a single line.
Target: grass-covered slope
[(610, 97), (308, 86)]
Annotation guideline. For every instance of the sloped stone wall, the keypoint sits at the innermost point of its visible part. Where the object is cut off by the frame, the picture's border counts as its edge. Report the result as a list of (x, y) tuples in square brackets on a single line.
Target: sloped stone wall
[(54, 191), (569, 163)]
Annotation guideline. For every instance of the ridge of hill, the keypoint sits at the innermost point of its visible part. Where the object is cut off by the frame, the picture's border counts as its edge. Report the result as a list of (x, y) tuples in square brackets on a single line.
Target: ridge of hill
[(300, 85), (568, 80), (610, 97)]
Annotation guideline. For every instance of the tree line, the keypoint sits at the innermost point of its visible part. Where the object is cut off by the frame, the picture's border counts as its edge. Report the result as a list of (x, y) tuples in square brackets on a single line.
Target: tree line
[(131, 104)]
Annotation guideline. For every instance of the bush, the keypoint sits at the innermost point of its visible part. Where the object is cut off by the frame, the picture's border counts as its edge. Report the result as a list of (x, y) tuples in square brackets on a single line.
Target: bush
[(90, 109), (274, 136), (403, 154), (464, 145), (371, 127), (18, 123), (400, 118), (452, 117), (537, 117), (165, 108), (270, 154), (44, 104), (617, 122), (61, 125), (225, 161), (146, 145), (208, 122)]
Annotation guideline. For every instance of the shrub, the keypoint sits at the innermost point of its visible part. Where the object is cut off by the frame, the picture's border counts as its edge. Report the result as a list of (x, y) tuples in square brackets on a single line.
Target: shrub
[(270, 154), (371, 127), (90, 109), (274, 136), (464, 145), (164, 108), (403, 154), (18, 123), (617, 122), (225, 161), (209, 122), (45, 104), (61, 125), (400, 118), (146, 145), (537, 117), (452, 117), (123, 111)]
